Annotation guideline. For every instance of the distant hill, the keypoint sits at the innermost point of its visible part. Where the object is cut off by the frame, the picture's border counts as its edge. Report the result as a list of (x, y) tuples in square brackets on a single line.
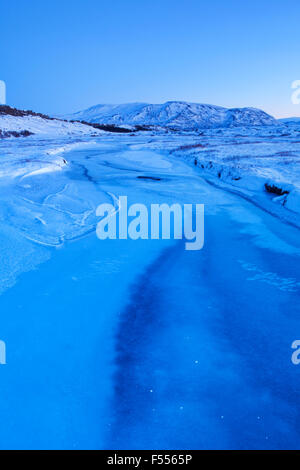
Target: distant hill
[(178, 115)]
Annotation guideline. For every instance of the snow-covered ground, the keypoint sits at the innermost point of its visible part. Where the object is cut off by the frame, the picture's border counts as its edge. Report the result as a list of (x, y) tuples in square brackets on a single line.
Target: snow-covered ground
[(127, 344)]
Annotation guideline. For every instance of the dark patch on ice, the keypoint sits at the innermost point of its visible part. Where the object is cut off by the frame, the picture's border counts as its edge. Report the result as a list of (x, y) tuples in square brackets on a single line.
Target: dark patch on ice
[(80, 172), (153, 178), (140, 324)]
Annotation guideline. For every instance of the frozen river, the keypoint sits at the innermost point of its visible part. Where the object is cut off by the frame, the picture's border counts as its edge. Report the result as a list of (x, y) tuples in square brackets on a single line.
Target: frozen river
[(123, 344)]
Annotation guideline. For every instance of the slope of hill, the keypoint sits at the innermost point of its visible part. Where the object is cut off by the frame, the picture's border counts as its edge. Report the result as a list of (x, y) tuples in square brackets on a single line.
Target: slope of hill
[(17, 123)]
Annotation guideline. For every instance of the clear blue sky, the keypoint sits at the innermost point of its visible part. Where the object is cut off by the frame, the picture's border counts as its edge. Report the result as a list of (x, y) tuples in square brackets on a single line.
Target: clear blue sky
[(63, 56)]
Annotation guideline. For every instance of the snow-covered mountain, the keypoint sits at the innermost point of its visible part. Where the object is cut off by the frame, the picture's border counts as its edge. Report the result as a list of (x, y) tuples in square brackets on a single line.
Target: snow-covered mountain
[(174, 114)]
